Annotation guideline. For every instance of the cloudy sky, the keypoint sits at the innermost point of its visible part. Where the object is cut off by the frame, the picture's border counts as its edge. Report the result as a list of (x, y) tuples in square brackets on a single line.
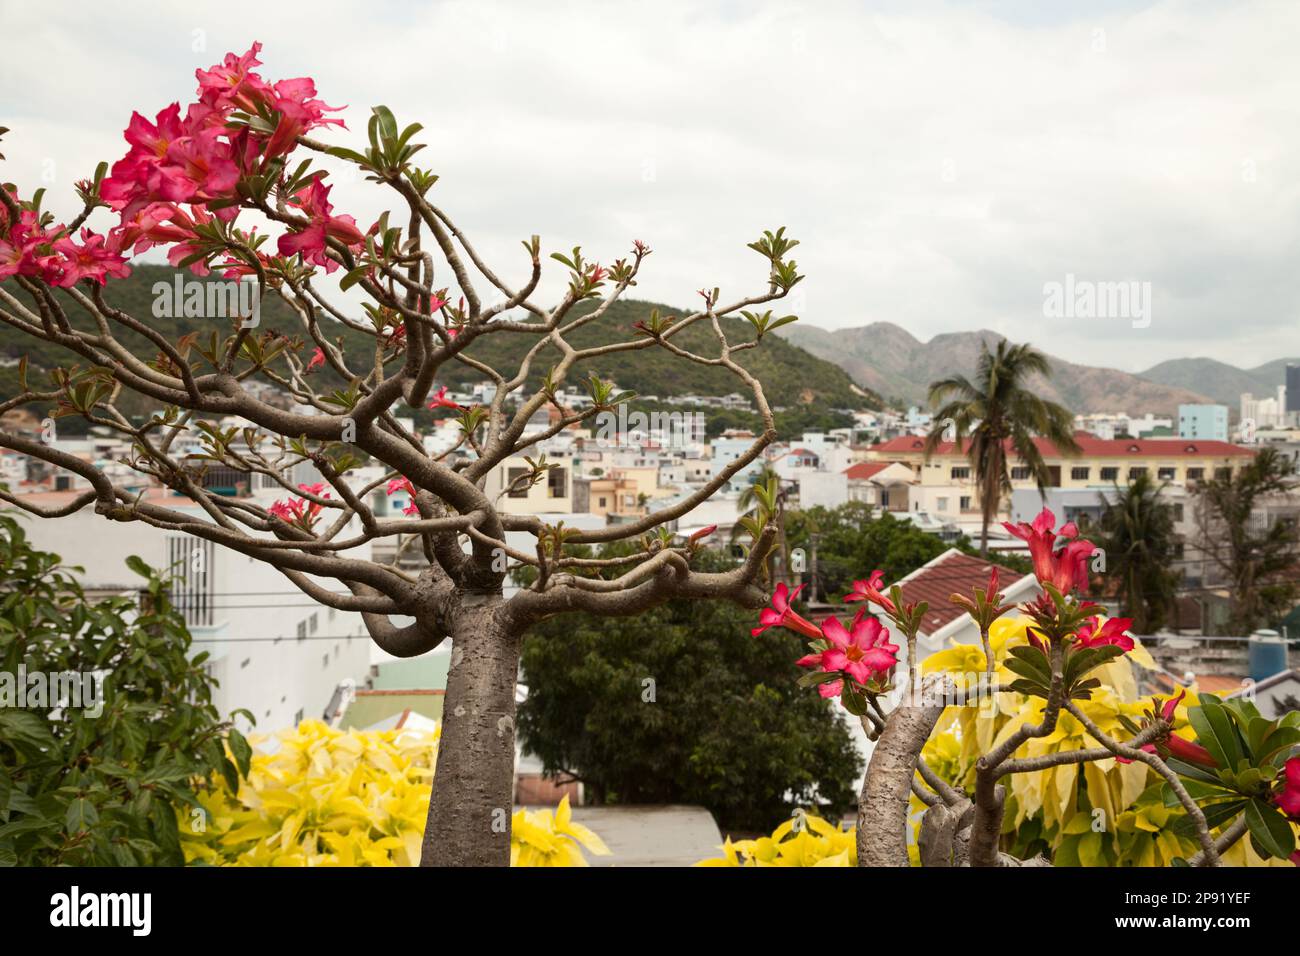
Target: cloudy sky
[(940, 162)]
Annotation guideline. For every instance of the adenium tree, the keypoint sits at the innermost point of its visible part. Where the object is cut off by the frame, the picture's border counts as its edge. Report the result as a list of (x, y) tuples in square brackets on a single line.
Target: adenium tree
[(213, 184), (1241, 776)]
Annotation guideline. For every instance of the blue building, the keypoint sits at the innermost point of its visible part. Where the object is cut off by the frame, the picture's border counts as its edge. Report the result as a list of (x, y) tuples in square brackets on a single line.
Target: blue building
[(1208, 422)]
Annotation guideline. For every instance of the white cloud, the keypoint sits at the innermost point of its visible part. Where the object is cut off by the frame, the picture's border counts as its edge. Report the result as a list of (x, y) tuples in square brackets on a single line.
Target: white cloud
[(938, 162)]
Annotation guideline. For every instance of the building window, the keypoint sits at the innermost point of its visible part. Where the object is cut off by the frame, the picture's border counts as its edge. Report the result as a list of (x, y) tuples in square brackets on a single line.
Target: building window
[(297, 718), (1080, 474), (965, 502), (1109, 474), (1166, 474), (1178, 550), (302, 630), (1195, 474), (557, 482), (325, 660), (1020, 473), (1178, 512), (602, 502), (960, 472), (313, 624), (1137, 471), (514, 475), (941, 504), (1222, 474)]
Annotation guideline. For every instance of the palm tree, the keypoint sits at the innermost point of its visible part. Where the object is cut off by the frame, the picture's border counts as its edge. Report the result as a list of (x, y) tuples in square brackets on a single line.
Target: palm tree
[(995, 410), (1137, 536), (747, 505)]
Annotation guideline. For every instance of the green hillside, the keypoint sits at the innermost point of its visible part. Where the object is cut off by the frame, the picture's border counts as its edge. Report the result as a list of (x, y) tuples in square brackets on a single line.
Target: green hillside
[(790, 375)]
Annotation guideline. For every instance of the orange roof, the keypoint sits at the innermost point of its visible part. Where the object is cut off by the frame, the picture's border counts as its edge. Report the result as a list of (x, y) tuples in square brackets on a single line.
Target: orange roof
[(865, 469), (951, 572), (1092, 447), (1218, 683)]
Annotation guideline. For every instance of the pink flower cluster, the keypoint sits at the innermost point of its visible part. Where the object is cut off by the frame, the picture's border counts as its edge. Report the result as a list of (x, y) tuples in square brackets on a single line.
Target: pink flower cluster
[(861, 651), (239, 124), (300, 511), (1066, 569), (49, 252), (404, 484)]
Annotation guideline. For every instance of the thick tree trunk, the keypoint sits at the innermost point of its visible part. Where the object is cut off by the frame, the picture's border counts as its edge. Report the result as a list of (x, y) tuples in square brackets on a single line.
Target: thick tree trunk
[(883, 805), (469, 813)]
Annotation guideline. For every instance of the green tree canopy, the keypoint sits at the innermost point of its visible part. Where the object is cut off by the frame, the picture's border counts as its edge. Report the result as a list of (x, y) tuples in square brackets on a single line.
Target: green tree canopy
[(681, 705), (99, 784)]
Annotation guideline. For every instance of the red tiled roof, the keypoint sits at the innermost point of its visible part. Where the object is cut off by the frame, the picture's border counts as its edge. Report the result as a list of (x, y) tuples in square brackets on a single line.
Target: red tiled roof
[(803, 452), (1097, 447), (865, 469), (952, 572)]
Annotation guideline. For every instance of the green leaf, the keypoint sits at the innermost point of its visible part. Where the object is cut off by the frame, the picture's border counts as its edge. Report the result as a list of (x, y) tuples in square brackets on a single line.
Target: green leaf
[(1034, 659), (854, 703), (1216, 815), (138, 565), (1217, 731), (242, 752), (81, 815), (1269, 829)]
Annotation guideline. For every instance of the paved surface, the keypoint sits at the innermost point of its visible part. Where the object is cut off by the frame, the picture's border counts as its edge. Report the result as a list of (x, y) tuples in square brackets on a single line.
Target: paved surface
[(651, 836)]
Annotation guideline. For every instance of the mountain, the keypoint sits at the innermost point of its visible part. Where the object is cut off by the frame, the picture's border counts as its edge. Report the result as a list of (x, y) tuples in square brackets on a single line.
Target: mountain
[(790, 375), (891, 361), (1222, 382)]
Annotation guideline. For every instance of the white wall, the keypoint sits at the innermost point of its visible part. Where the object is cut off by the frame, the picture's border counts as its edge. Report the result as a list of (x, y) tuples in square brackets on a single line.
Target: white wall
[(252, 605)]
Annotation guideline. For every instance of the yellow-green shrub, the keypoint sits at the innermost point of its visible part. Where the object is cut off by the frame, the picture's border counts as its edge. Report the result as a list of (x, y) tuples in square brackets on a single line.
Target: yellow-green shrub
[(804, 840), (327, 797)]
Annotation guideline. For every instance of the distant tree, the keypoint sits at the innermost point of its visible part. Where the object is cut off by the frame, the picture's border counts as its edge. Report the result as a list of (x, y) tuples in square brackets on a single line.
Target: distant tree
[(997, 406), (682, 705), (1137, 536), (97, 776), (1255, 559), (850, 539)]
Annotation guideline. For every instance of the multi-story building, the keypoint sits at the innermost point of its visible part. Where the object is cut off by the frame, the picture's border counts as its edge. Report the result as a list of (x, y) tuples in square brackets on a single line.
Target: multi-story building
[(1098, 463), (553, 494), (1203, 421)]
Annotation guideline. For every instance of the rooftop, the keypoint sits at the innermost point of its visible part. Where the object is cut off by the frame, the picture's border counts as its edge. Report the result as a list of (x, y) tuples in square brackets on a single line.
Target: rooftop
[(1093, 447)]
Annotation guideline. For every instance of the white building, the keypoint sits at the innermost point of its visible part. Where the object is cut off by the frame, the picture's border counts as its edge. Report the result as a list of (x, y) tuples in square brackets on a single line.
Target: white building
[(274, 651)]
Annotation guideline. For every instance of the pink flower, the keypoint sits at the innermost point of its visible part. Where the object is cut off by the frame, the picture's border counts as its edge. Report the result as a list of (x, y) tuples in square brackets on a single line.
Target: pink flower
[(317, 359), (861, 652), (172, 160), (1288, 800), (404, 484), (299, 511), (232, 84), (93, 259), (299, 112), (869, 590), (322, 224), (1067, 569), (440, 400), (781, 614), (1096, 634), (19, 243)]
